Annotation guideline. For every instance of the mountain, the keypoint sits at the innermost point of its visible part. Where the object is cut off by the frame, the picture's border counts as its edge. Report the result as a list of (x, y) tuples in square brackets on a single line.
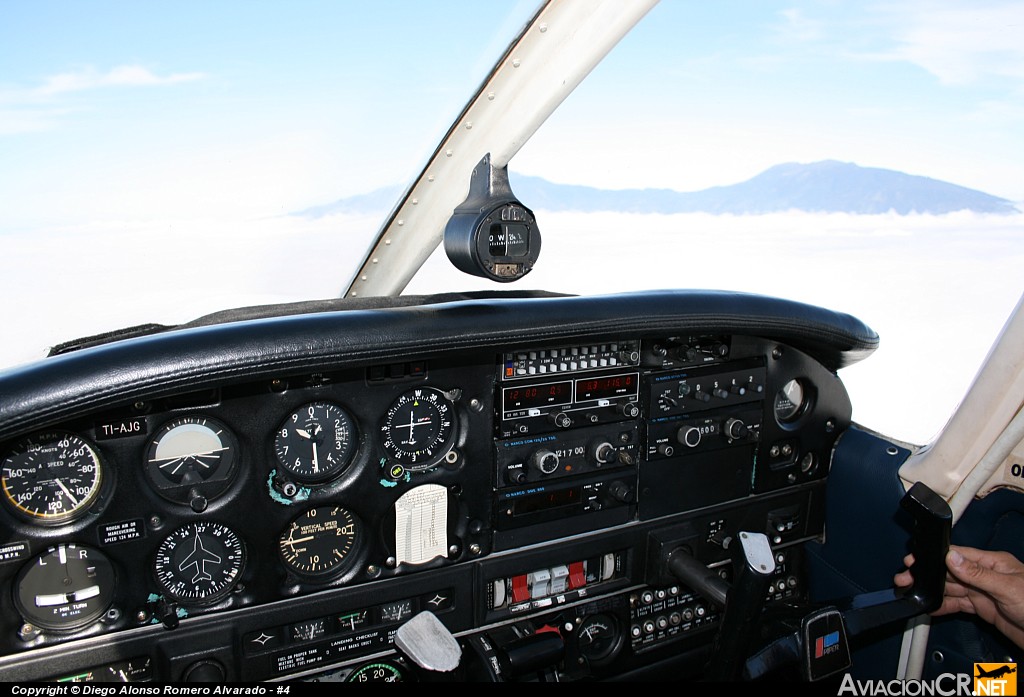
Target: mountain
[(827, 187)]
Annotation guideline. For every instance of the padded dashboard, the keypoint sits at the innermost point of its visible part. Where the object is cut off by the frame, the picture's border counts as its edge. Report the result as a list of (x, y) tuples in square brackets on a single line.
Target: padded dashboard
[(272, 496)]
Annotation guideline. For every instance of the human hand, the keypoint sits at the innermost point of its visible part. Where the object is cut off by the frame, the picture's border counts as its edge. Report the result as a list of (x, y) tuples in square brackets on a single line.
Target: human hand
[(983, 583)]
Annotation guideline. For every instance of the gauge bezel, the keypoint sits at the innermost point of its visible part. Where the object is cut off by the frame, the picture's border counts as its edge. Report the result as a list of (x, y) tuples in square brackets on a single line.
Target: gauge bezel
[(209, 487), (99, 570), (439, 444), (221, 588), (79, 508), (349, 555), (348, 447), (787, 411)]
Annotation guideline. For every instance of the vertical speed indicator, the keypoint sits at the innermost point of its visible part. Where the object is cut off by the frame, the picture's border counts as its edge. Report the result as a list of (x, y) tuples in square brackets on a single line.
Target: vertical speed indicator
[(419, 428)]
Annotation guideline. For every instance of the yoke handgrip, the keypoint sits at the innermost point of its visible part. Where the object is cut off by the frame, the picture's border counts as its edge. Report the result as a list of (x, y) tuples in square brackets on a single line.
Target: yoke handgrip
[(929, 543)]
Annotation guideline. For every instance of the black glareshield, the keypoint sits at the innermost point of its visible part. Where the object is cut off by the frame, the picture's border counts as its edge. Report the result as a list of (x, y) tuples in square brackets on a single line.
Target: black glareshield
[(491, 234)]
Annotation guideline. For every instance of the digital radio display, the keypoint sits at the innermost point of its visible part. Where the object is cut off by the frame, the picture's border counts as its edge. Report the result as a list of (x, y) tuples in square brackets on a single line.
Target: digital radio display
[(606, 387), (547, 500), (534, 396)]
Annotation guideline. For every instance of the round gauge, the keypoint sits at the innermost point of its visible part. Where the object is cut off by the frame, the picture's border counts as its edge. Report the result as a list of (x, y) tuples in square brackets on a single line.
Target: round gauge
[(599, 638), (191, 456), (199, 562), (419, 428), (316, 442), (66, 587), (790, 401), (320, 542), (51, 478), (378, 671)]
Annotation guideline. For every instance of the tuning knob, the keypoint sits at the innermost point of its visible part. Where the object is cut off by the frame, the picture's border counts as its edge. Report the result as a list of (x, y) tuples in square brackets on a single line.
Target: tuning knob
[(621, 492), (544, 461), (603, 453), (735, 429), (560, 419), (629, 409), (690, 437)]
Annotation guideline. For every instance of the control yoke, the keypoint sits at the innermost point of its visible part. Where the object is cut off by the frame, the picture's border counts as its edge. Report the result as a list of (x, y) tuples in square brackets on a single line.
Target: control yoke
[(820, 644)]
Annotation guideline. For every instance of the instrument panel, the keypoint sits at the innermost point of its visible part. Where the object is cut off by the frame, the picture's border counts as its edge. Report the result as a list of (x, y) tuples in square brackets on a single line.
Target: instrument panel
[(288, 522)]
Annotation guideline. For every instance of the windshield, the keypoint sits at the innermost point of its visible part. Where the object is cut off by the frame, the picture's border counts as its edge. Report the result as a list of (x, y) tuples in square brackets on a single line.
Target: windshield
[(808, 151), (165, 161)]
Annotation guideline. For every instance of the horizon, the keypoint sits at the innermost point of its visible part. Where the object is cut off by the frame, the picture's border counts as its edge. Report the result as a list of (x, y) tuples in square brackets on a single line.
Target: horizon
[(115, 112)]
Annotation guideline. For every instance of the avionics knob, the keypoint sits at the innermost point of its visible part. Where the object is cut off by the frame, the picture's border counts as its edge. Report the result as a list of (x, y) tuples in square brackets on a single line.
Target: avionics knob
[(544, 461), (735, 429), (629, 409), (686, 353), (560, 419), (690, 437), (629, 356), (702, 396), (603, 453), (621, 492)]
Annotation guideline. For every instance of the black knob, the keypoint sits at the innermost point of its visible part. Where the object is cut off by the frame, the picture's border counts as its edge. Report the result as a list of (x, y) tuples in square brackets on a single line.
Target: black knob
[(735, 429), (690, 437), (666, 450), (603, 453), (686, 353), (702, 396), (544, 461), (516, 476), (204, 671), (621, 492), (561, 419), (630, 410)]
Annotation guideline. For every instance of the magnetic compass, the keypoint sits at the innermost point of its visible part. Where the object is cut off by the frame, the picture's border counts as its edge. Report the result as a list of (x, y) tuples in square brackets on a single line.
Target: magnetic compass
[(419, 428), (199, 563)]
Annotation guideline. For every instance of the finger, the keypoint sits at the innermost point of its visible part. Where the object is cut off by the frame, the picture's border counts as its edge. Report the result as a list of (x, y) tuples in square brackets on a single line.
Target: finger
[(971, 573)]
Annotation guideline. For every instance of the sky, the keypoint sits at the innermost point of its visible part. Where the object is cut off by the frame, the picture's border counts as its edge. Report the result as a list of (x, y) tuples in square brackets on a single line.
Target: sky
[(115, 110), (151, 154)]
